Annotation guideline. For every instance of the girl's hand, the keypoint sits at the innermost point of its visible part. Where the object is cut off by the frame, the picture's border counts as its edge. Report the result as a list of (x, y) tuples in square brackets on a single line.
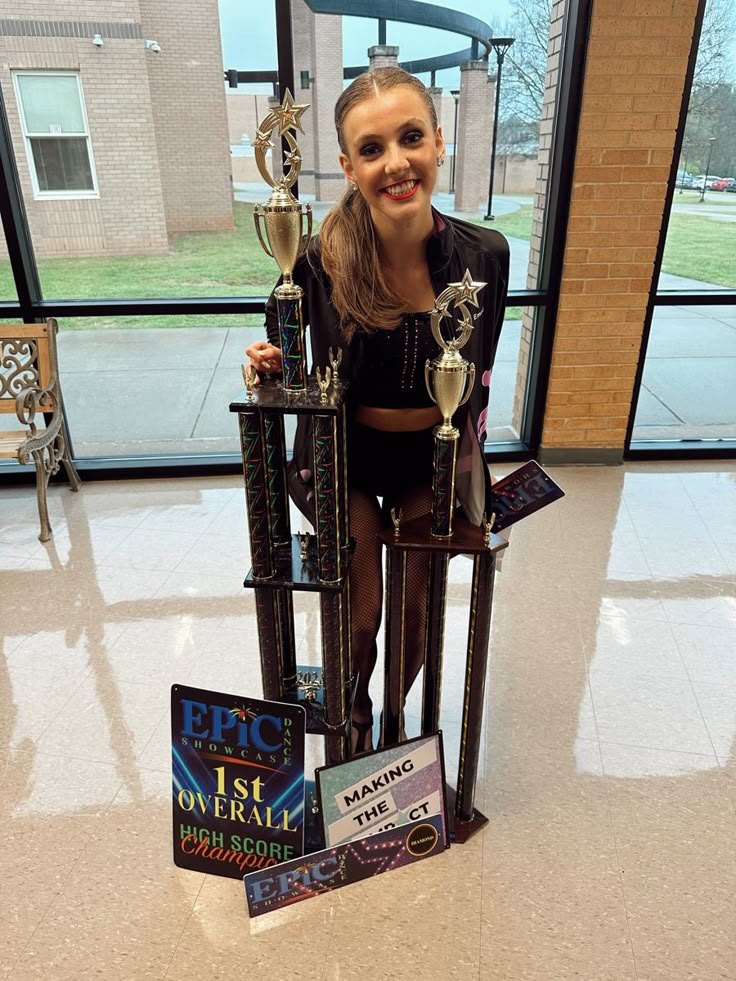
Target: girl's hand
[(264, 357)]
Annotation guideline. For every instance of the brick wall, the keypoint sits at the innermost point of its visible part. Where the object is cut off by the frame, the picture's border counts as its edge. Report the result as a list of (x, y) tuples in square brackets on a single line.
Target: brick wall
[(637, 59), (328, 84), (128, 215), (161, 167), (190, 120), (302, 32), (473, 136)]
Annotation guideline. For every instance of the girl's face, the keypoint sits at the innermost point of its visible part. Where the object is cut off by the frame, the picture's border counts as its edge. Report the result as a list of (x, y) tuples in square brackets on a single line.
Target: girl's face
[(392, 156)]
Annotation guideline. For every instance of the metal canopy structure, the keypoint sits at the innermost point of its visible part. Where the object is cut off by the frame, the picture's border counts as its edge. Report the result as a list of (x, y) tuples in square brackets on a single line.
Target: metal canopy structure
[(403, 12), (421, 15)]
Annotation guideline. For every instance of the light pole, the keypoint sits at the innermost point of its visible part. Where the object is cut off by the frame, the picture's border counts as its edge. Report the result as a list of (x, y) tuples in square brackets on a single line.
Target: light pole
[(711, 141), (500, 45), (686, 147), (455, 93)]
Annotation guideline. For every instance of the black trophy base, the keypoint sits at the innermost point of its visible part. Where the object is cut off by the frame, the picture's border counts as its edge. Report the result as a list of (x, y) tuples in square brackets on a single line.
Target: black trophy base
[(462, 831)]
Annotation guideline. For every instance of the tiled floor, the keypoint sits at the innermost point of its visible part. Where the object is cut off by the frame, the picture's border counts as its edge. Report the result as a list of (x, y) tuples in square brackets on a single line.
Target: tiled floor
[(608, 772)]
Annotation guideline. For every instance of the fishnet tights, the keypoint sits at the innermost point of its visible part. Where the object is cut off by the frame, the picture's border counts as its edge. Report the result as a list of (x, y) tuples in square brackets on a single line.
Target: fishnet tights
[(367, 518)]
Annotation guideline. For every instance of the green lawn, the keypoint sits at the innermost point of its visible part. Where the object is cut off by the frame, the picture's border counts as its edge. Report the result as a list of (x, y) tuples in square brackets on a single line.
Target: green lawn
[(233, 264), (516, 225), (698, 247)]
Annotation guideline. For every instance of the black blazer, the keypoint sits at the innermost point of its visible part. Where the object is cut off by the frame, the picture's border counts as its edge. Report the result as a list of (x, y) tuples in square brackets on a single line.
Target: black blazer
[(454, 247)]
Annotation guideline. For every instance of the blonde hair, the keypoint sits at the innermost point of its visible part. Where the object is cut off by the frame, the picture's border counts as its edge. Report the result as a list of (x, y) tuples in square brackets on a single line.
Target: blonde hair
[(360, 294)]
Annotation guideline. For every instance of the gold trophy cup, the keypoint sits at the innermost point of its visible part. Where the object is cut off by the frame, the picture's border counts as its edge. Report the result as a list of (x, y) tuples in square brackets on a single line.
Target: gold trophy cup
[(280, 228)]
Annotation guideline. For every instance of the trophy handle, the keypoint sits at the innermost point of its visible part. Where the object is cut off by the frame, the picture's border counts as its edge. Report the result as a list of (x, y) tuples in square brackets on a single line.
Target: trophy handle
[(308, 237), (256, 216), (469, 389), (426, 380)]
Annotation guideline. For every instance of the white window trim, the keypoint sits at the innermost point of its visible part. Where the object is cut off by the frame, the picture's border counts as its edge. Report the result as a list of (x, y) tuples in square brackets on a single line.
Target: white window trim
[(38, 194)]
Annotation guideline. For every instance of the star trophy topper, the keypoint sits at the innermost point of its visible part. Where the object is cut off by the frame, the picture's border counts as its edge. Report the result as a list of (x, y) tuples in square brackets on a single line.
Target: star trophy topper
[(282, 218), (449, 378)]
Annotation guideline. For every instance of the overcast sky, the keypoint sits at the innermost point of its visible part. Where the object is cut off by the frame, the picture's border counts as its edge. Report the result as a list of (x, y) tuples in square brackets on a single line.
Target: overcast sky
[(249, 43)]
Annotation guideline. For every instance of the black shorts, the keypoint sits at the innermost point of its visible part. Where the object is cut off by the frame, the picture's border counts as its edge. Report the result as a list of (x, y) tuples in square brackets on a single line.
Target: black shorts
[(389, 464)]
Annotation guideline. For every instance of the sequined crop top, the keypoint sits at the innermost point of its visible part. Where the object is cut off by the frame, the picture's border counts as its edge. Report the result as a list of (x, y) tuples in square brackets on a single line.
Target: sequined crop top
[(392, 365)]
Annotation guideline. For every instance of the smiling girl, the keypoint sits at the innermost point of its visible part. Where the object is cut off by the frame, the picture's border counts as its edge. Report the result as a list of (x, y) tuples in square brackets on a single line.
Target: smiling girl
[(370, 279)]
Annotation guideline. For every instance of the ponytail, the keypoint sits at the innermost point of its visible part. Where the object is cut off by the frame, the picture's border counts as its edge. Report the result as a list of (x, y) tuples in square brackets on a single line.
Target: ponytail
[(350, 257)]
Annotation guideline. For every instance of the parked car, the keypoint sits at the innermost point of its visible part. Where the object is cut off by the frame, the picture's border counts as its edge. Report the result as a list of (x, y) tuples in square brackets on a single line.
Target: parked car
[(684, 181), (712, 181), (720, 185), (732, 185)]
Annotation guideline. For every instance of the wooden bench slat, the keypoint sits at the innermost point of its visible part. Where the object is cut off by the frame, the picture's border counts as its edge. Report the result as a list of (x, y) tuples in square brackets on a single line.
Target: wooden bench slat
[(9, 442), (23, 330)]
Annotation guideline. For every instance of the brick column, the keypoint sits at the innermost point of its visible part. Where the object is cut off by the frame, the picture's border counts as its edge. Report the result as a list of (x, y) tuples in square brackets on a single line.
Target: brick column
[(633, 90), (436, 94), (443, 177), (382, 55), (326, 88), (474, 148), (302, 28)]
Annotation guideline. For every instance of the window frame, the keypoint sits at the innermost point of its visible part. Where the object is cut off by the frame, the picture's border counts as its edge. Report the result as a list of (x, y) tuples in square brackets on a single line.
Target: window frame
[(31, 304), (59, 195)]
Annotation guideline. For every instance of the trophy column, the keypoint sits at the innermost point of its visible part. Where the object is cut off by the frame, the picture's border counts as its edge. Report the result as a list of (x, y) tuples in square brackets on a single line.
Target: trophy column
[(256, 496), (282, 562), (274, 446)]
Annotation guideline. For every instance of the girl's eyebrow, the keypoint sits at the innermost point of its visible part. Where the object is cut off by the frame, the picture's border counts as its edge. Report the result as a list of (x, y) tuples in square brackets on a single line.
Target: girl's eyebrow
[(366, 137)]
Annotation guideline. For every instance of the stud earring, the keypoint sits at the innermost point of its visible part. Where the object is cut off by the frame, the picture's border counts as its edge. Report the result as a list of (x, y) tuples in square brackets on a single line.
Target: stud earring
[(440, 160)]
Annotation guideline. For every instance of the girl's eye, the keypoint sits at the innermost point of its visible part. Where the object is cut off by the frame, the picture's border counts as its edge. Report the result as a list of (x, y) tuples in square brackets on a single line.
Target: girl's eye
[(414, 136), (368, 150)]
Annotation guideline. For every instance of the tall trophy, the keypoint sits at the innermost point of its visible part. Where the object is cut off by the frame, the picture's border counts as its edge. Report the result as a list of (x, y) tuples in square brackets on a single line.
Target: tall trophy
[(280, 228), (440, 535), (283, 563), (449, 378)]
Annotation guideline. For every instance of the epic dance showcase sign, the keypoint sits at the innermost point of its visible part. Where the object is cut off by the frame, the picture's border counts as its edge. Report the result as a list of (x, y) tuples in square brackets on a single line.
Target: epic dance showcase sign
[(381, 811), (238, 781)]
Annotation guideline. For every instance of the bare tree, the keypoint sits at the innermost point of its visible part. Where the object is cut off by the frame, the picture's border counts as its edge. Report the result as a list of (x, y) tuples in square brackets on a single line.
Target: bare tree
[(526, 62), (715, 63)]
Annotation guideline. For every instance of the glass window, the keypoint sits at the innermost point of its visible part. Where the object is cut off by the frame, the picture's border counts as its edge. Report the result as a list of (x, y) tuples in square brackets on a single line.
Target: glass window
[(7, 283), (55, 129), (698, 254), (688, 389), (169, 381)]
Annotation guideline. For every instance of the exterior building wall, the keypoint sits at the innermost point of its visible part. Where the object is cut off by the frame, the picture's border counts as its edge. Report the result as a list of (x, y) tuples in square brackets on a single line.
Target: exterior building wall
[(436, 94), (328, 84), (188, 103), (128, 215), (302, 32), (633, 89), (160, 168), (244, 112)]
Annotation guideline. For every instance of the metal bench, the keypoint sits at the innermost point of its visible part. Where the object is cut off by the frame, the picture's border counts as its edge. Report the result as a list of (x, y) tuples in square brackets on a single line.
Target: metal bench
[(30, 388)]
